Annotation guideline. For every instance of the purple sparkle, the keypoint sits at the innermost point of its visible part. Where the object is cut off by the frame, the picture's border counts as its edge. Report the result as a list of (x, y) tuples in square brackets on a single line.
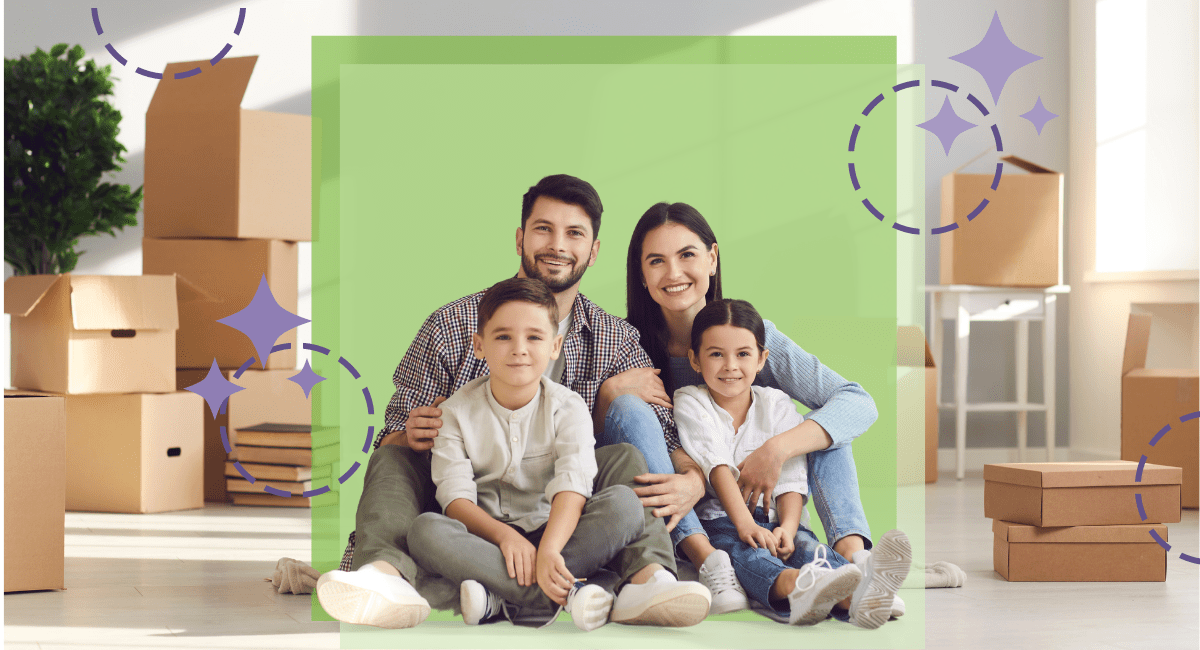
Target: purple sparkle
[(947, 125), (1038, 115), (996, 57), (306, 379), (263, 321), (214, 388)]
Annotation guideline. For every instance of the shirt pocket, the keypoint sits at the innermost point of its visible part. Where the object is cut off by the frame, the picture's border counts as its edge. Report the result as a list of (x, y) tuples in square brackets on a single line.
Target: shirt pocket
[(536, 470)]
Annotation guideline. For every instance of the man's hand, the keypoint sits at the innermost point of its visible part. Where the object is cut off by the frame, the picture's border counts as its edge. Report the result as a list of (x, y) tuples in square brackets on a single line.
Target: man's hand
[(672, 495), (553, 576), (758, 475), (758, 537), (643, 382), (521, 558), (784, 542), (420, 428)]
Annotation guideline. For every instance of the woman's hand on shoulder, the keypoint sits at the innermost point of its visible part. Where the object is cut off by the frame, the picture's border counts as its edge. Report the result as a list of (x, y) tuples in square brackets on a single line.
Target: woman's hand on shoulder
[(643, 382)]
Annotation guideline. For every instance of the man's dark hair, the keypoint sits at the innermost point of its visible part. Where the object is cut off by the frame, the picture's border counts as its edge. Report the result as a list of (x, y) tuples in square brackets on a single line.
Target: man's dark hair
[(517, 289), (567, 189)]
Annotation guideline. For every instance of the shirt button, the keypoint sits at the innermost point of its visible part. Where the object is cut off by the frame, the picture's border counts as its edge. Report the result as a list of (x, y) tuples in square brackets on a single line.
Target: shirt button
[(514, 439), (513, 417)]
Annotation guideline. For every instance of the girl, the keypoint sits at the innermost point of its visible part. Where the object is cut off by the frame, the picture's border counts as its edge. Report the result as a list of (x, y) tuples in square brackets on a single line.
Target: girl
[(780, 564)]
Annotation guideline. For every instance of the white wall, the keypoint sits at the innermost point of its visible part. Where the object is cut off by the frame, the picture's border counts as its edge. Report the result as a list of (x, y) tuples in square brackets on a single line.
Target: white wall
[(945, 28)]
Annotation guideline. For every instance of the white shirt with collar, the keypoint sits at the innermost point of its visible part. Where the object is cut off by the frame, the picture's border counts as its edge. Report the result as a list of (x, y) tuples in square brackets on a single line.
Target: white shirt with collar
[(707, 435), (512, 463)]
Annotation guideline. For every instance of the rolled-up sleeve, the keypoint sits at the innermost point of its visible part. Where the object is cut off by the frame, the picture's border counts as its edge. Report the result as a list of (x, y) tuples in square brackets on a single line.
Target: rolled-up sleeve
[(793, 476), (843, 408), (452, 471), (699, 435), (574, 445)]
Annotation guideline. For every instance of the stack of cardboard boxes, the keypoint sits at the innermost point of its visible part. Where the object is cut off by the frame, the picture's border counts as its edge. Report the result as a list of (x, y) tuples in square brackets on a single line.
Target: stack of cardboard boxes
[(1066, 522), (107, 345), (917, 417), (228, 195)]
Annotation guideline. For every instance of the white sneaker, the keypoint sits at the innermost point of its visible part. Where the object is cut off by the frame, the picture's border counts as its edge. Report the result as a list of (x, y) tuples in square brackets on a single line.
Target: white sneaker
[(884, 569), (589, 606), (727, 593), (819, 587), (897, 607), (662, 600), (369, 596), (478, 604)]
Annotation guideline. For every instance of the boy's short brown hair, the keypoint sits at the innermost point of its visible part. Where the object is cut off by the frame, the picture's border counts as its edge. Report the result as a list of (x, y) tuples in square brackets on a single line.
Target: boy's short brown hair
[(517, 289)]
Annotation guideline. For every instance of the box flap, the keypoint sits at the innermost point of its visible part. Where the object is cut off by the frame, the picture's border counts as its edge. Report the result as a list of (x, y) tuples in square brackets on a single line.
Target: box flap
[(221, 86), (124, 302), (1083, 474), (23, 292), (1032, 168), (1127, 534), (188, 291), (1137, 340), (1164, 373)]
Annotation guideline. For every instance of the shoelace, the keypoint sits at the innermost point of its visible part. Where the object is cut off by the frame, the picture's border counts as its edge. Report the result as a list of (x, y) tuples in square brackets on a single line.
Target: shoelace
[(721, 580), (809, 571)]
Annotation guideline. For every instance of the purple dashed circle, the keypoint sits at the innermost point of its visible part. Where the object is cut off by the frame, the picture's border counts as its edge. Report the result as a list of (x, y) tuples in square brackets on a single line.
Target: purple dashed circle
[(915, 83), (366, 445), (1138, 497), (237, 30)]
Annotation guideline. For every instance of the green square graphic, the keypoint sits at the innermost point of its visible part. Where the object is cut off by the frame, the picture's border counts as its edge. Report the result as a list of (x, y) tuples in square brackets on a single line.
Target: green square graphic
[(426, 145)]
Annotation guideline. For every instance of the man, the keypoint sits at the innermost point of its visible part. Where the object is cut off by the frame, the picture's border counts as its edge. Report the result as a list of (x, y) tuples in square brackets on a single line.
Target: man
[(379, 583)]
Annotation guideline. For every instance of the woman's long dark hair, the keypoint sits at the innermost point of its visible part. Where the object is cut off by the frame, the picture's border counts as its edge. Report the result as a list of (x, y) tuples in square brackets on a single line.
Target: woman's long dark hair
[(641, 310)]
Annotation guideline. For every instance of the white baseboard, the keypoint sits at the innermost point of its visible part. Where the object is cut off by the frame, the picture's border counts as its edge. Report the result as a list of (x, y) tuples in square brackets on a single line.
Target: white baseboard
[(977, 457)]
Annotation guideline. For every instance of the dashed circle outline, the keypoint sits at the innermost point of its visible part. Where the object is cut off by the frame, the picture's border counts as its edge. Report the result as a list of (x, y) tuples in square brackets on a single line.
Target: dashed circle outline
[(1137, 497), (914, 84), (237, 30), (370, 429)]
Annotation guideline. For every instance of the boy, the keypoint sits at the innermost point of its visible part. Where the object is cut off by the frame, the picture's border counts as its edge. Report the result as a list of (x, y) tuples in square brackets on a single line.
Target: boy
[(514, 466)]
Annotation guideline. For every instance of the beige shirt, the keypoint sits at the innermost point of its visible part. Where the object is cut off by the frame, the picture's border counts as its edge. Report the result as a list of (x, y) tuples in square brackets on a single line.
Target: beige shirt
[(512, 463)]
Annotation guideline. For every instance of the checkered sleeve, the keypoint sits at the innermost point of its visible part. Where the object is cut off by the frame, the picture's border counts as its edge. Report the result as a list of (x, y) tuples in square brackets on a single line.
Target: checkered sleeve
[(422, 375), (631, 355)]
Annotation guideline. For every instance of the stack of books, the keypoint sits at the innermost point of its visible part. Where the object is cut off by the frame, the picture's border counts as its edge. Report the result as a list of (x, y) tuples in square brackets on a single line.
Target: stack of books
[(275, 455)]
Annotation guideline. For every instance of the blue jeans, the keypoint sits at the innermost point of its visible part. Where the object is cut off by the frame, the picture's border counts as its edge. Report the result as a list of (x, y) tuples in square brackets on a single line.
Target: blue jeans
[(832, 479), (756, 568)]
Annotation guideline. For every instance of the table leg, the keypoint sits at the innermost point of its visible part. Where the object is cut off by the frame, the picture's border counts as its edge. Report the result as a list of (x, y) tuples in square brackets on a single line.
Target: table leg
[(962, 333), (1022, 387), (1048, 374)]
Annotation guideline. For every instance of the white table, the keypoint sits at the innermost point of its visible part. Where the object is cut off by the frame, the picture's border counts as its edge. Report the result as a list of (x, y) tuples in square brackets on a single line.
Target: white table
[(965, 303)]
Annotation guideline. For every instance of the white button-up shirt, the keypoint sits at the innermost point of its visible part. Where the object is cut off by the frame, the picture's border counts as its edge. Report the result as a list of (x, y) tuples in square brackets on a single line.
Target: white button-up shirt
[(707, 435), (512, 463)]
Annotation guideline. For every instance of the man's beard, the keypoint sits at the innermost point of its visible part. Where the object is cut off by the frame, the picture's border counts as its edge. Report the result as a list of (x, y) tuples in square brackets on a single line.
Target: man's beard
[(557, 284)]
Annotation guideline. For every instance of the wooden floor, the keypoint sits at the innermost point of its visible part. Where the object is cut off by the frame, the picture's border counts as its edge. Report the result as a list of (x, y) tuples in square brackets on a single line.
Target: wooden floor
[(194, 579)]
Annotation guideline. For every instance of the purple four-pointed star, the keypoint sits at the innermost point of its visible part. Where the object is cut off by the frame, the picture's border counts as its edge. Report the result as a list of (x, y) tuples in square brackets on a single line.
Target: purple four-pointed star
[(996, 57), (306, 379), (947, 125), (1038, 115), (263, 321), (214, 388)]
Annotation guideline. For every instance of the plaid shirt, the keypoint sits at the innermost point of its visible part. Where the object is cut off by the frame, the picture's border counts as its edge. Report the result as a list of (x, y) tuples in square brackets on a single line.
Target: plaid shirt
[(440, 361)]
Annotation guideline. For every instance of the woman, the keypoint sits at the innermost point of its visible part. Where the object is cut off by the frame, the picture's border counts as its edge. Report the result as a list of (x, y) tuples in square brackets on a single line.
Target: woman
[(673, 271)]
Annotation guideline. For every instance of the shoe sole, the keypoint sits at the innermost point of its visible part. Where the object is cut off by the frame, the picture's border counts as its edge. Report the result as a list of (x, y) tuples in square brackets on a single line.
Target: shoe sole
[(356, 605), (833, 593), (889, 562), (667, 610), (590, 610)]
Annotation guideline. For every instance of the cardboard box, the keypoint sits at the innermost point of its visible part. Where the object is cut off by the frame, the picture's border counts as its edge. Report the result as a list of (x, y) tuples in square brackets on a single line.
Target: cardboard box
[(1098, 493), (214, 169), (35, 492), (913, 352), (1016, 241), (229, 271), (83, 334), (1152, 399), (1079, 554), (135, 453), (269, 397)]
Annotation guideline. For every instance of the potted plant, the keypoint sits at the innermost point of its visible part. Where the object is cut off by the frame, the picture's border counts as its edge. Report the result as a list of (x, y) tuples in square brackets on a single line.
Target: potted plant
[(60, 138)]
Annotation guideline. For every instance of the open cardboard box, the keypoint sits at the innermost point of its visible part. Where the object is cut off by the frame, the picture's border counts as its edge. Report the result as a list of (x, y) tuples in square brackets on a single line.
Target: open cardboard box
[(269, 397), (1095, 493), (215, 169), (229, 271), (1024, 553), (1016, 241), (82, 334), (34, 491), (1152, 399), (913, 351)]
